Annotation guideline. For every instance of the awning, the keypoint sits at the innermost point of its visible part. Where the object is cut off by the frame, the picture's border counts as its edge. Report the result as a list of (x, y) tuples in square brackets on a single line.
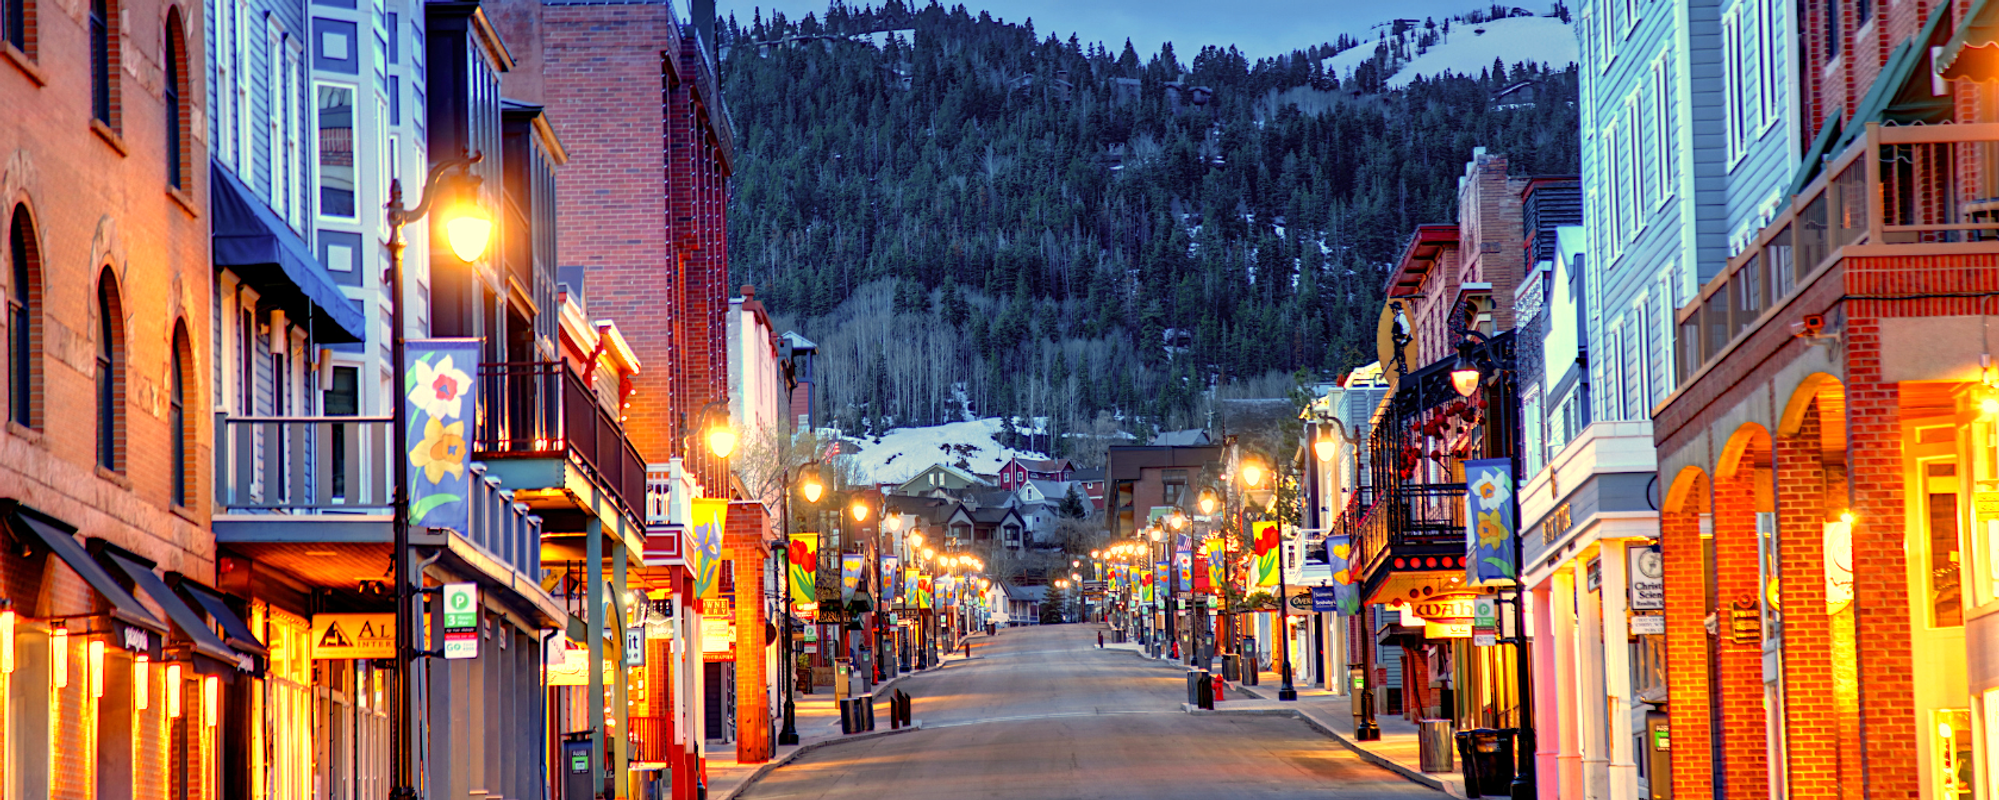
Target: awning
[(1973, 50), (35, 526), (1900, 94), (235, 632), (192, 626), (253, 242)]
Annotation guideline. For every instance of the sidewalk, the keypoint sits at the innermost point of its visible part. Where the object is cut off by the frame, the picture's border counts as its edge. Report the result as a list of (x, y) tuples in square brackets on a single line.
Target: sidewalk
[(1329, 714), (817, 717)]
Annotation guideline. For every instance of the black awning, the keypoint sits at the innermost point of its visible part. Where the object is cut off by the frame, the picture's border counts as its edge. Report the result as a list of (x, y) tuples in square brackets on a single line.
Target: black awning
[(191, 625), (235, 632), (249, 239), (28, 524)]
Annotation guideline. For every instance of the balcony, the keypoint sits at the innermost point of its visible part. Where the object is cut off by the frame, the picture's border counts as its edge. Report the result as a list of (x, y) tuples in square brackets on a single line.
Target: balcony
[(313, 496), (1413, 527), (542, 410), (1923, 190)]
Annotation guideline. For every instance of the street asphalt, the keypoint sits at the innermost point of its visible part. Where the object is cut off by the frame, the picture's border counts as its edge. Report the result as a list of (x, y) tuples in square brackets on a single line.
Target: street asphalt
[(1042, 713)]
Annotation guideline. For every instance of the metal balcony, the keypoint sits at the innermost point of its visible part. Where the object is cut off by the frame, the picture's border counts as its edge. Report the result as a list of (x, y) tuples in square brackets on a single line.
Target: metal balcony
[(1415, 526), (1920, 190), (544, 410), (328, 480)]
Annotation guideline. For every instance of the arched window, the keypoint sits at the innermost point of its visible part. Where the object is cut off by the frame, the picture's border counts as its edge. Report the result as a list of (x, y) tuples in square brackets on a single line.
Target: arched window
[(110, 374), (177, 419), (177, 116), (24, 294)]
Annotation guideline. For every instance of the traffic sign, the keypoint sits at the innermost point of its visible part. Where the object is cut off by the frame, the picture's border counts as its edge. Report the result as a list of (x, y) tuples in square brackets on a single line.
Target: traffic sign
[(461, 620)]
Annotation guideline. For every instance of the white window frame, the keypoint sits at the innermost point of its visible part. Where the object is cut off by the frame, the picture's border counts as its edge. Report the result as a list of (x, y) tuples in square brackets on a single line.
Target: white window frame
[(274, 101), (246, 166), (1641, 161), (1734, 125), (1662, 126), (1769, 81), (354, 100), (294, 112)]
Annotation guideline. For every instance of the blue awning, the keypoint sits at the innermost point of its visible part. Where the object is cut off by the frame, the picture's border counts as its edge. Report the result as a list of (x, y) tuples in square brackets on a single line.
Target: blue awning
[(254, 243)]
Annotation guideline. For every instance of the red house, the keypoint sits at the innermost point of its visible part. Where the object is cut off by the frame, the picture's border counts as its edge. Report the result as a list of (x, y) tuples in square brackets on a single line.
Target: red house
[(1019, 471)]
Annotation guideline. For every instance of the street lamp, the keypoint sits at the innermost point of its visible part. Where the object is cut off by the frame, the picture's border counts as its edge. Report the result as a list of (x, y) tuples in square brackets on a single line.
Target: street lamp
[(467, 227), (809, 484), (1253, 474)]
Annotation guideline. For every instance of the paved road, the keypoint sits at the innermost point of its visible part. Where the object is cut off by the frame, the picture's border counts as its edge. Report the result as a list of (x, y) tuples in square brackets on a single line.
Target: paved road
[(1042, 713)]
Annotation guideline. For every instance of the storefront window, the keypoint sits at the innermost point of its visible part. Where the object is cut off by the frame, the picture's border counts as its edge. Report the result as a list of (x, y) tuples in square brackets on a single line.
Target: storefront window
[(288, 706), (24, 729), (1946, 597), (1952, 748)]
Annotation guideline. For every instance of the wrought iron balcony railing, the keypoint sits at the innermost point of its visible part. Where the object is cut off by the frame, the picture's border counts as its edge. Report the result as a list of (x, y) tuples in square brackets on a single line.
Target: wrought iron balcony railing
[(1413, 526), (542, 409)]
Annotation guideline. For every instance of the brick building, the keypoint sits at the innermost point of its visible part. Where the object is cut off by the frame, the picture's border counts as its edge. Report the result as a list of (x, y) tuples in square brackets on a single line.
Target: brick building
[(1827, 457), (104, 460)]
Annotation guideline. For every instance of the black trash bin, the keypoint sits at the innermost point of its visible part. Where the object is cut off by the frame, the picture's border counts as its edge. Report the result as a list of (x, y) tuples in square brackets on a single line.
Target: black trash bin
[(1487, 756), (1232, 667), (1249, 662), (1204, 693), (1193, 687)]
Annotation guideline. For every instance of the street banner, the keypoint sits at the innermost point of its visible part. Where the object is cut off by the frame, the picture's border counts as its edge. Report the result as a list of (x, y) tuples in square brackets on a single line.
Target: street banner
[(1183, 563), (439, 399), (1217, 566), (890, 586), (804, 570), (1489, 520), (1346, 595), (924, 599), (1160, 586), (1204, 582), (850, 576), (1117, 571), (1145, 588), (1264, 535), (710, 515), (909, 596)]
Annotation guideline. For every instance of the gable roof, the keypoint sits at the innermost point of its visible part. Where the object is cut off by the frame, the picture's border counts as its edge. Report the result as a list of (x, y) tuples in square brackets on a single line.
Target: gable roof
[(1041, 464)]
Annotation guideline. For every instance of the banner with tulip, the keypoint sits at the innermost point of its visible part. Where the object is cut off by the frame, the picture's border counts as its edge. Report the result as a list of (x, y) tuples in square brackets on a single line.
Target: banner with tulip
[(439, 397), (924, 599), (804, 570), (1489, 520), (1145, 588), (1264, 534)]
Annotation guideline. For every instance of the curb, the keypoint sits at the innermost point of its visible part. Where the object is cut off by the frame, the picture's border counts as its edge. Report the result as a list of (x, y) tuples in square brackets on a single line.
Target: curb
[(1412, 775), (808, 747)]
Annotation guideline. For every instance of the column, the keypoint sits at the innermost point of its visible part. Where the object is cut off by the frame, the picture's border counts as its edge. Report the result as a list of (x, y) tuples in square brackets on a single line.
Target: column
[(593, 612), (1744, 733), (1810, 686), (1623, 769), (743, 536), (1591, 725), (1687, 641), (1547, 694), (1568, 774)]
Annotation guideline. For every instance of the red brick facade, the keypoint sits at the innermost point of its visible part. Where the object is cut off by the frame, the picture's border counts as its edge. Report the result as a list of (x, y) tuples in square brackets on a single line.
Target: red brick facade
[(743, 543)]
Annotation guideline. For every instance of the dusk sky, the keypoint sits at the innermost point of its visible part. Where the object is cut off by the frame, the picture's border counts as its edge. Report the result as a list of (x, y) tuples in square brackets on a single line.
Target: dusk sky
[(1258, 27)]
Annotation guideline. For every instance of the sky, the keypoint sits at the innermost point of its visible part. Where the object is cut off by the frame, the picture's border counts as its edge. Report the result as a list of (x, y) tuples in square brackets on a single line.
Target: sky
[(1260, 28)]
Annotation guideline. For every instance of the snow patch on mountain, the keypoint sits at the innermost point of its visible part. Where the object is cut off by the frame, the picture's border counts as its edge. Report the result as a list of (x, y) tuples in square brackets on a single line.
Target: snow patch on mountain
[(1472, 46), (903, 452)]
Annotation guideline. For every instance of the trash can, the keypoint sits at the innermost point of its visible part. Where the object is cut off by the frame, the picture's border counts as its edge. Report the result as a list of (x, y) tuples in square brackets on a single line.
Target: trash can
[(1488, 761), (1249, 662), (1232, 667), (1204, 694), (1193, 687), (1433, 745)]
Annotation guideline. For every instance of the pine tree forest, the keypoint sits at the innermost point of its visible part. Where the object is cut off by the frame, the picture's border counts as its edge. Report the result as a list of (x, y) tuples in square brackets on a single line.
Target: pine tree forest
[(971, 218)]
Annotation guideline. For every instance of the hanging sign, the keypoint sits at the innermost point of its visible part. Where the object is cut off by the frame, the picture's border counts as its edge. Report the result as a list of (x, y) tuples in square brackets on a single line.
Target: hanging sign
[(344, 636), (890, 587), (1489, 520), (1646, 579), (1346, 595), (1648, 625), (1324, 601), (850, 576), (635, 646), (568, 666), (461, 620), (438, 397)]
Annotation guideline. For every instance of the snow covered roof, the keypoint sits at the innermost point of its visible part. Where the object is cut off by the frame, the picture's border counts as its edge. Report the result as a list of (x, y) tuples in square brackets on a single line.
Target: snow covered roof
[(1192, 437), (1026, 594)]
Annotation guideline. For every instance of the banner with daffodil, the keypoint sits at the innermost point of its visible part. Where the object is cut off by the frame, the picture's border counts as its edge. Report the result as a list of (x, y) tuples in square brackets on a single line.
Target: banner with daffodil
[(1489, 520), (439, 397)]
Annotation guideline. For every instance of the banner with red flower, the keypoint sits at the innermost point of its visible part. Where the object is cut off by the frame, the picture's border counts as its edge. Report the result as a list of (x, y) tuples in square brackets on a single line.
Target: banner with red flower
[(438, 396), (1265, 537), (803, 555)]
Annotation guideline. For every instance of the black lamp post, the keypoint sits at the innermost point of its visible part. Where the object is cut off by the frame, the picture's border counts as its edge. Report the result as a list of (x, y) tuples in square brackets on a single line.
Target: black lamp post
[(1481, 357), (468, 232)]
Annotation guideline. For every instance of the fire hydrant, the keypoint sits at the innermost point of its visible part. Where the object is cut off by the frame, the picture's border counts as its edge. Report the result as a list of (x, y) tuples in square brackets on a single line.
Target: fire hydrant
[(1219, 683)]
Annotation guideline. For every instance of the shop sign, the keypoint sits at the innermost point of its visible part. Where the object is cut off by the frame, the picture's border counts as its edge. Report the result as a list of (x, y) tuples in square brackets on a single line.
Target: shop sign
[(1646, 579), (1648, 625), (569, 666), (1593, 575), (1324, 601), (461, 620), (1446, 630), (345, 636), (718, 634), (635, 646), (1301, 600), (1485, 621)]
